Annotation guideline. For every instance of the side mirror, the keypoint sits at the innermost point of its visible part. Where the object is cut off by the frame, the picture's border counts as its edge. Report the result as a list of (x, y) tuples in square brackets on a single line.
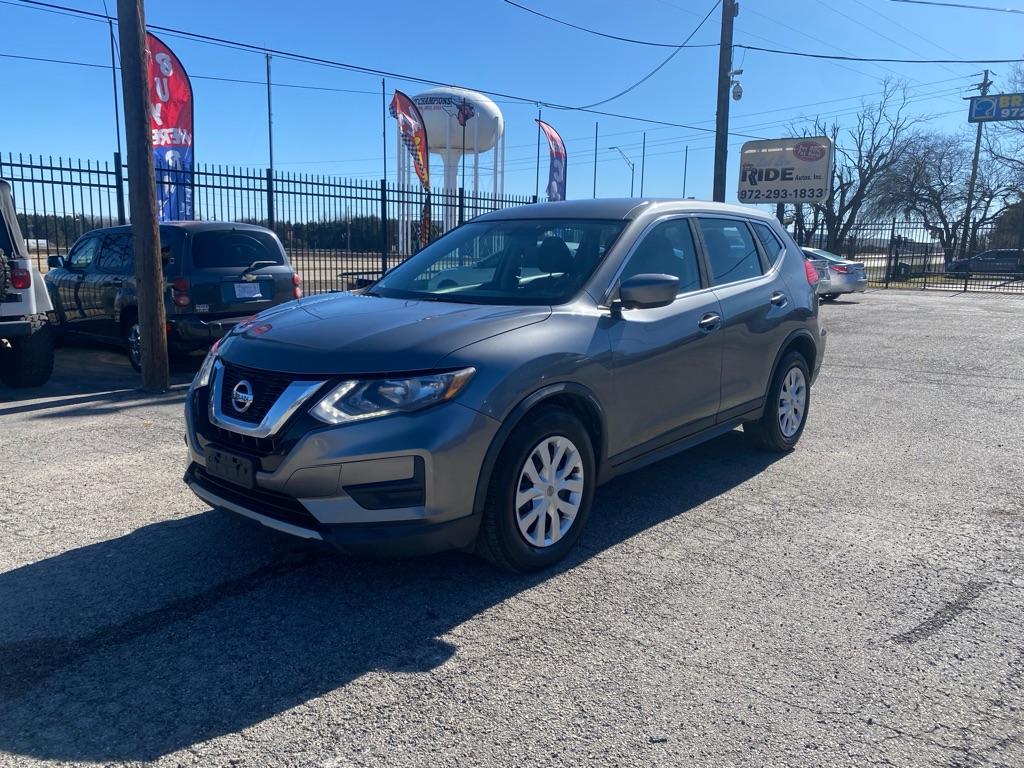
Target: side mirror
[(55, 262), (648, 291)]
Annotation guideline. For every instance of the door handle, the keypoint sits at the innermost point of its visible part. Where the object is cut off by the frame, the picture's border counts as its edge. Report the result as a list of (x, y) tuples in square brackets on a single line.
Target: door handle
[(117, 282), (779, 299), (709, 321)]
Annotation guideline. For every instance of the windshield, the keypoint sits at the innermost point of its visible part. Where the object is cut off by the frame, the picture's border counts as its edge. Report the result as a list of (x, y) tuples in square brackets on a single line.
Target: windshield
[(230, 248), (504, 262), (827, 255)]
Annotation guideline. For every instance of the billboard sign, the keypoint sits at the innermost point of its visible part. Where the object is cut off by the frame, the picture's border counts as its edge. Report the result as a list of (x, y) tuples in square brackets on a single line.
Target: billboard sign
[(786, 170), (996, 108)]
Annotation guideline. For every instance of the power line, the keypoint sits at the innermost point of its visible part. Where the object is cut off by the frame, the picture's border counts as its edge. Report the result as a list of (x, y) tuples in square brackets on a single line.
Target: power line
[(192, 75), (783, 52), (833, 57), (961, 5), (654, 71), (320, 61), (609, 36)]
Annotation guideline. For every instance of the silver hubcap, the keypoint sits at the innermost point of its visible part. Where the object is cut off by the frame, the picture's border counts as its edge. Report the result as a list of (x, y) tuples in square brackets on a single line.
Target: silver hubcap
[(135, 343), (792, 402), (550, 491)]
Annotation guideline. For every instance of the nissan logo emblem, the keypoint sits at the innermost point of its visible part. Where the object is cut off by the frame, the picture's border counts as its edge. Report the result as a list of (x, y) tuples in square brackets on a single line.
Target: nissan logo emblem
[(241, 396)]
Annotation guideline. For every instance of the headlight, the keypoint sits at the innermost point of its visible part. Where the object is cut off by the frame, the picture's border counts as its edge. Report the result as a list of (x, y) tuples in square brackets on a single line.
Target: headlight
[(355, 400), (202, 378)]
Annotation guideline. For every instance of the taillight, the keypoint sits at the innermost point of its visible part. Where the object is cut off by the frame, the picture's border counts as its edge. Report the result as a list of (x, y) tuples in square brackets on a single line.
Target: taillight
[(811, 272), (180, 289), (842, 269), (21, 278), (297, 285)]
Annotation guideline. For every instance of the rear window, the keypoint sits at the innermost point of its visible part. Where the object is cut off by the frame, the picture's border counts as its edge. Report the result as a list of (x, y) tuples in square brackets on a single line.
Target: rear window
[(772, 246), (226, 248)]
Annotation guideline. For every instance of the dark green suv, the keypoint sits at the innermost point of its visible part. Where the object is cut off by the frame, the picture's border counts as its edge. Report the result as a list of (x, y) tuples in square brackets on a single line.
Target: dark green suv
[(216, 274)]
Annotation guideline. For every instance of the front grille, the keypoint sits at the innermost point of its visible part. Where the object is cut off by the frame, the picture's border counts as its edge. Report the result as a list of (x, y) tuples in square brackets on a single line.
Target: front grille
[(267, 386), (260, 446), (275, 505)]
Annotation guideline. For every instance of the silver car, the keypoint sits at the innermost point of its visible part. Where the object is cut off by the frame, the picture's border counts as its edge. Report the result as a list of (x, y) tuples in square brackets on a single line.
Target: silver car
[(844, 275), (484, 416)]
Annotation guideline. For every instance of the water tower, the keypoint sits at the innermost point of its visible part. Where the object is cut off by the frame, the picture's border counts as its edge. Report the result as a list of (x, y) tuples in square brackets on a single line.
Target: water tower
[(459, 123)]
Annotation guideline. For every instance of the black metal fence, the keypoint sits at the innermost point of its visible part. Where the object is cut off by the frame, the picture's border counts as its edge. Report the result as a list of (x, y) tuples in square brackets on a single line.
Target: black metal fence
[(340, 231), (337, 231), (907, 254)]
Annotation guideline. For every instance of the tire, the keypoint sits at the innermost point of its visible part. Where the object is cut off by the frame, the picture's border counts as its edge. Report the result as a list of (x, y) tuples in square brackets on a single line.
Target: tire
[(768, 432), (829, 296), (5, 274), (29, 361), (502, 540), (131, 335)]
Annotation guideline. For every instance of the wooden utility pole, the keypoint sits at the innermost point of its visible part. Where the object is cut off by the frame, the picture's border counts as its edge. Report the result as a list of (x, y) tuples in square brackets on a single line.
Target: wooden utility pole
[(729, 12), (983, 87), (149, 276)]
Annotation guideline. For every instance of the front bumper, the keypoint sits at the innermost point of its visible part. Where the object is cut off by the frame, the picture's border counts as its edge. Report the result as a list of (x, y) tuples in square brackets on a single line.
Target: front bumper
[(401, 484)]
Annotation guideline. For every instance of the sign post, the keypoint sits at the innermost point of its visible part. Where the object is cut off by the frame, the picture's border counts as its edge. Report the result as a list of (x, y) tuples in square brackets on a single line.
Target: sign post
[(794, 170)]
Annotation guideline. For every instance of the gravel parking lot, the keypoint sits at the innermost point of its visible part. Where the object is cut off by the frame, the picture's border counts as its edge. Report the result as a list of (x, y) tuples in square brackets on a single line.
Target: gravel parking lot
[(857, 602)]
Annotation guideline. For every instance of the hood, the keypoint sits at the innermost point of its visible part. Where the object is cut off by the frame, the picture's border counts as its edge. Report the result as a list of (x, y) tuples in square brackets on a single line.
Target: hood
[(344, 333)]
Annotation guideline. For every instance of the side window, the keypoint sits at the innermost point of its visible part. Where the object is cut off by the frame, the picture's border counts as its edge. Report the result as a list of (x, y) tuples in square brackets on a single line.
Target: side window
[(769, 241), (731, 252), (83, 253), (667, 249), (116, 254)]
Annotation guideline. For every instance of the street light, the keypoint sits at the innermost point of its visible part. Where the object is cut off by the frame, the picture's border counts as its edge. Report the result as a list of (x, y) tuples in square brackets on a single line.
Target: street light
[(631, 165)]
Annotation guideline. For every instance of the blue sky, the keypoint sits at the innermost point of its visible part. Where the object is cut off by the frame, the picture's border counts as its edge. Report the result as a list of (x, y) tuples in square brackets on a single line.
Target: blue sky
[(68, 110)]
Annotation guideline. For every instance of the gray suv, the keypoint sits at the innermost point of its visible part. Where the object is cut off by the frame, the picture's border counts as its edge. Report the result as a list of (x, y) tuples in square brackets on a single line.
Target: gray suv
[(482, 416)]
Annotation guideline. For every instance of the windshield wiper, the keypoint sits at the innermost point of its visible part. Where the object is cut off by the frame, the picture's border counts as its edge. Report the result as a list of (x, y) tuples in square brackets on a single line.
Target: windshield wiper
[(257, 265)]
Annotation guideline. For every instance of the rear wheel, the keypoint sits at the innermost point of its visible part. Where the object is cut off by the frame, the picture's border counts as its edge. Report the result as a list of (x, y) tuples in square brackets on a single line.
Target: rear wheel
[(540, 493), (829, 296), (29, 361), (133, 343), (785, 412)]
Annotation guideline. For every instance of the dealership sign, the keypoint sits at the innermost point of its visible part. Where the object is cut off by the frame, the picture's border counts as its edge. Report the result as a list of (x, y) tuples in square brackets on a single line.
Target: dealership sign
[(786, 170), (994, 109)]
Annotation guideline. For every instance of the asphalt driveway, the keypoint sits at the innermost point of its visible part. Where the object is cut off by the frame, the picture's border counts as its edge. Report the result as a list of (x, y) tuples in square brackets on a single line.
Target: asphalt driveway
[(858, 601)]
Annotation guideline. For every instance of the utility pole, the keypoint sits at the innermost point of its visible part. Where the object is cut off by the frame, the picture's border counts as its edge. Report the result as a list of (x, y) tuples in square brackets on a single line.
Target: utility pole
[(595, 160), (632, 167), (686, 166), (730, 9), (270, 118), (113, 78), (536, 178), (149, 276), (983, 86), (643, 163)]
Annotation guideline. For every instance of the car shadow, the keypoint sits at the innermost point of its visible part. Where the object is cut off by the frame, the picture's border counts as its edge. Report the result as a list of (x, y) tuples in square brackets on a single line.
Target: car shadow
[(87, 373), (188, 629)]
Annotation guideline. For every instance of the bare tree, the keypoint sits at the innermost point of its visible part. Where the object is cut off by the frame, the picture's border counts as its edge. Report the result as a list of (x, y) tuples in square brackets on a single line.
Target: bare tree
[(864, 154), (929, 184)]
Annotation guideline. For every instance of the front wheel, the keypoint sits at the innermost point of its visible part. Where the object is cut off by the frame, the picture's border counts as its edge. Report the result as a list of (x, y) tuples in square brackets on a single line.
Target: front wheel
[(785, 411), (540, 493)]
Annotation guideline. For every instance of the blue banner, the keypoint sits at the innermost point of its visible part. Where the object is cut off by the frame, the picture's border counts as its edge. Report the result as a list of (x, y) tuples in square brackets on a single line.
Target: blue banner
[(174, 183)]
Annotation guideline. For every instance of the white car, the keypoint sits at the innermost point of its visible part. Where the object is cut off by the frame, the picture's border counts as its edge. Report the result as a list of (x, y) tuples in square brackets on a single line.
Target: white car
[(26, 335)]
